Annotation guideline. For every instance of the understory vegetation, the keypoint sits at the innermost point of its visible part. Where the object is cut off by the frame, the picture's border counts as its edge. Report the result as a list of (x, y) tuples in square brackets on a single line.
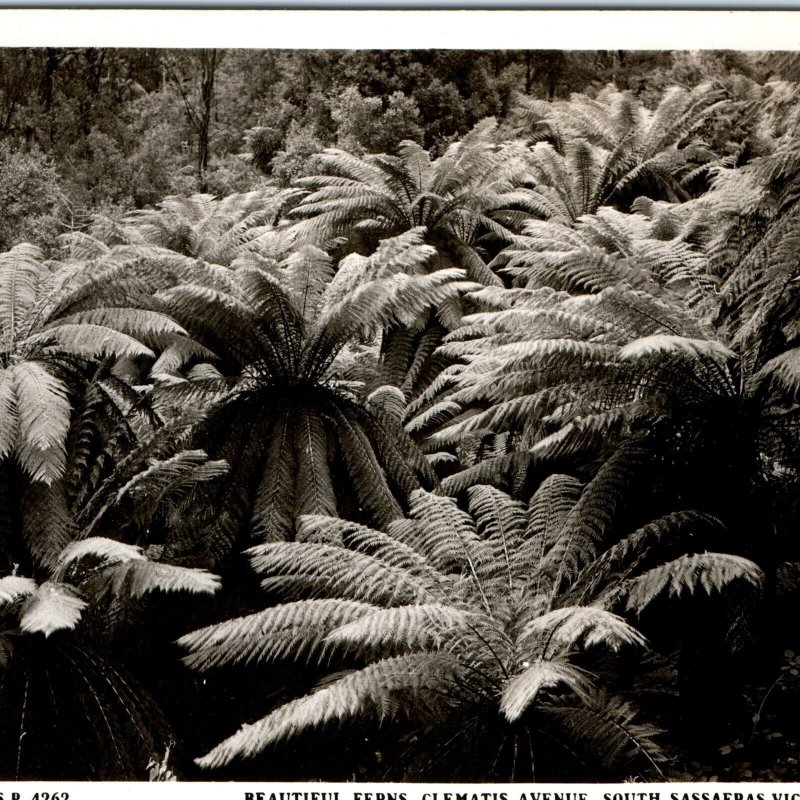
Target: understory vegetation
[(468, 444)]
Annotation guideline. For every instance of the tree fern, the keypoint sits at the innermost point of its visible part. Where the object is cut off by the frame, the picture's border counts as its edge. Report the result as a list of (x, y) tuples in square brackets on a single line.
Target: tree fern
[(279, 372), (51, 622), (615, 147), (449, 613), (56, 321), (206, 227), (452, 202)]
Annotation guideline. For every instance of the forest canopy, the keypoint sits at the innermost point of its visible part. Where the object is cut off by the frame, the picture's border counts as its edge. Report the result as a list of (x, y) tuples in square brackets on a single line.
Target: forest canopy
[(112, 129), (440, 403)]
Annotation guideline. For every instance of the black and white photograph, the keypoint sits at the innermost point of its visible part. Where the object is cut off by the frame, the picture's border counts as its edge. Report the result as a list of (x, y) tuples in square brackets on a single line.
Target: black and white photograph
[(399, 415)]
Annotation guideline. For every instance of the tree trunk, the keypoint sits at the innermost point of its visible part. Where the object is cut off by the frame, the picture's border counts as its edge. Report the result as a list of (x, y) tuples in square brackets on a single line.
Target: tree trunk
[(620, 76), (94, 70), (528, 72), (51, 62), (208, 61), (552, 83), (15, 84)]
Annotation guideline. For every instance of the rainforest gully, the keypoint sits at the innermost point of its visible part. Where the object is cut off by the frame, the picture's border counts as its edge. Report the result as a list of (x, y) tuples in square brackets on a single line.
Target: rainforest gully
[(400, 416)]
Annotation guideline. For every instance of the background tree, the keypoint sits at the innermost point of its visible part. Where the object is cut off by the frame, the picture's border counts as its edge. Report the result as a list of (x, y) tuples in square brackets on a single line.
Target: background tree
[(197, 93)]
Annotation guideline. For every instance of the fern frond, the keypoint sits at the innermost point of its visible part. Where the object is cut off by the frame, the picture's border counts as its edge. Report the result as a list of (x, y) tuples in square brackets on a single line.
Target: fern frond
[(48, 522), (151, 328), (587, 626), (12, 587), (221, 320), (783, 370), (413, 627), (167, 477), (8, 412), (362, 539), (585, 527), (501, 469), (449, 534), (21, 270), (523, 689), (382, 689), (43, 418), (709, 571), (297, 630), (314, 492), (368, 477), (606, 725), (661, 536), (501, 523), (273, 506), (389, 400), (52, 607), (548, 508), (90, 340), (267, 298), (498, 517), (153, 487), (108, 551), (660, 344), (398, 300), (137, 577), (177, 353), (326, 570)]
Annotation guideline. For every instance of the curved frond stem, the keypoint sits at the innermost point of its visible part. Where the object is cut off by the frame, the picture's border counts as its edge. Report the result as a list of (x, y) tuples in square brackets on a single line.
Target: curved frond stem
[(491, 649), (77, 670)]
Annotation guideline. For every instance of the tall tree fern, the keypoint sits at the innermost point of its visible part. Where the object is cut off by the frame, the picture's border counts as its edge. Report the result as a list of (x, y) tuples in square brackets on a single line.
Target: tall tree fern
[(462, 203), (203, 226), (70, 709), (64, 331), (610, 149), (494, 631), (280, 404)]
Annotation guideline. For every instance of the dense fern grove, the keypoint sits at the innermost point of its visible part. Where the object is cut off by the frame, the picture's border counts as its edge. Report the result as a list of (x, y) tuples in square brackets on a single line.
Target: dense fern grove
[(473, 455)]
